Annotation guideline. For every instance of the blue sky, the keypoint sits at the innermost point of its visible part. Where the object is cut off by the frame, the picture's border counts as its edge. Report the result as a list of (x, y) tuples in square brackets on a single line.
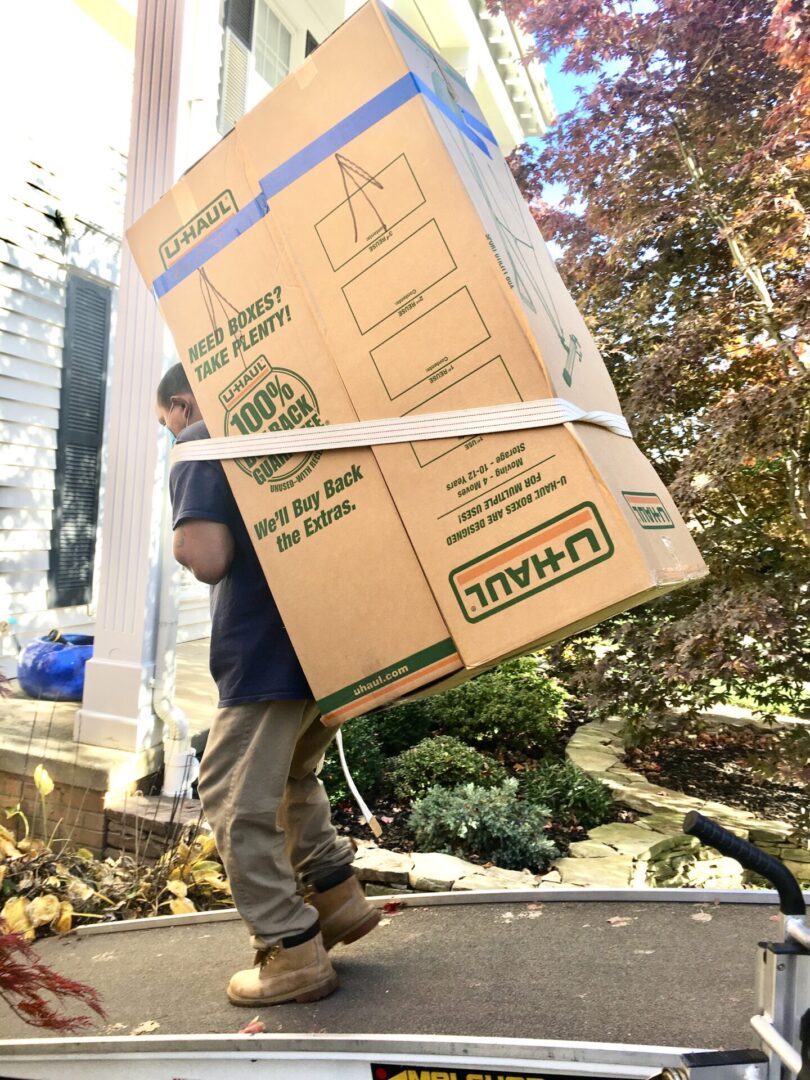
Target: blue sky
[(564, 91), (563, 86)]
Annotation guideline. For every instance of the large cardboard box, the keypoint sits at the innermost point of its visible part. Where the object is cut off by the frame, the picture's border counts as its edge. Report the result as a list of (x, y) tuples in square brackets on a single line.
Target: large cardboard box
[(356, 249)]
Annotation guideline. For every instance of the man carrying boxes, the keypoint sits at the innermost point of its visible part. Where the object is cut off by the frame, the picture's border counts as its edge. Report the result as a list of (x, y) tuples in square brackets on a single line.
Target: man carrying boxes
[(258, 785), (414, 421)]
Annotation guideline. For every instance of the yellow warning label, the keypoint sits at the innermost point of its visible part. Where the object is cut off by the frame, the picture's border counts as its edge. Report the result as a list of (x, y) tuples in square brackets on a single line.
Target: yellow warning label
[(386, 1072)]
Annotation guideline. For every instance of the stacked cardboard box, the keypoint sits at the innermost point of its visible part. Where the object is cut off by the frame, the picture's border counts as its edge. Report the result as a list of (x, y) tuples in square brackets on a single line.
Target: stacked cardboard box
[(356, 249)]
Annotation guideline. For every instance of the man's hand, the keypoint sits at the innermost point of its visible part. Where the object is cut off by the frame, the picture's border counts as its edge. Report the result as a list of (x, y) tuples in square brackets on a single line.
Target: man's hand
[(205, 547)]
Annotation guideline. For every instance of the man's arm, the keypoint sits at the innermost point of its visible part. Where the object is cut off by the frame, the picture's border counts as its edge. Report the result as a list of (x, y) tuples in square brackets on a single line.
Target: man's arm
[(205, 547)]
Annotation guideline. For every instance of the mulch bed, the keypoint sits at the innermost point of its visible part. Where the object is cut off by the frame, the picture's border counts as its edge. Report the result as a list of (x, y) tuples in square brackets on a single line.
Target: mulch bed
[(743, 768), (397, 834)]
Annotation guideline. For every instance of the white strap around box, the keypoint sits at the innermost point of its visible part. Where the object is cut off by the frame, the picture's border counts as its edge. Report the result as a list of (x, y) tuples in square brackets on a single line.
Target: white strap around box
[(398, 429)]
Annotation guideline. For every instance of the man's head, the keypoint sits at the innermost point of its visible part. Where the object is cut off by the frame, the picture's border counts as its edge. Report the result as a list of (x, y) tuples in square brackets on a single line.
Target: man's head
[(176, 406)]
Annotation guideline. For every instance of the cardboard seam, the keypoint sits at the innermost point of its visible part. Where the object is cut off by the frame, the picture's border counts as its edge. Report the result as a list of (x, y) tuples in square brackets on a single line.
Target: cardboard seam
[(608, 496)]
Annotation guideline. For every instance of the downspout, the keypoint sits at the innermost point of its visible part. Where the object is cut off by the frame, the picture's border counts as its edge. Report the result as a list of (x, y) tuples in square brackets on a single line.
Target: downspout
[(180, 765)]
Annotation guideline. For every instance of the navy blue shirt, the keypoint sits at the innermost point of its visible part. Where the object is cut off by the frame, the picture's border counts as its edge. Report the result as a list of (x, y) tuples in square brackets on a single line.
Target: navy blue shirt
[(252, 658)]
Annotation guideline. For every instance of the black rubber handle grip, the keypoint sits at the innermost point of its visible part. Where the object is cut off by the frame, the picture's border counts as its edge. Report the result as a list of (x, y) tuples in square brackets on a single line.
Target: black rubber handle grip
[(791, 901)]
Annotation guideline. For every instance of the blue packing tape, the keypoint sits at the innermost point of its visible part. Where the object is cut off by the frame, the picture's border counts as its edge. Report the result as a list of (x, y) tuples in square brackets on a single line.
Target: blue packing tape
[(228, 231), (374, 110), (366, 116), (456, 117), (479, 126)]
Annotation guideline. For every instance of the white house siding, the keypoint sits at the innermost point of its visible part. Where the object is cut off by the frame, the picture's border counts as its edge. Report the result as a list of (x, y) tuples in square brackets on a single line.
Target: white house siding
[(62, 184)]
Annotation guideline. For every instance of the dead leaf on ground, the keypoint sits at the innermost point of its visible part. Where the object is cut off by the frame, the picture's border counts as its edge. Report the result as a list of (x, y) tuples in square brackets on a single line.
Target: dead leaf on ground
[(146, 1028), (78, 891), (619, 920), (701, 916), (393, 907), (63, 923), (43, 909), (15, 918), (8, 849), (255, 1027), (179, 905)]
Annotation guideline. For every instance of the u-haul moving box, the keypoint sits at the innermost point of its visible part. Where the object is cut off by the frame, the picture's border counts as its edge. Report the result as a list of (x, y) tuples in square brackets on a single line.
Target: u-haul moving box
[(357, 249)]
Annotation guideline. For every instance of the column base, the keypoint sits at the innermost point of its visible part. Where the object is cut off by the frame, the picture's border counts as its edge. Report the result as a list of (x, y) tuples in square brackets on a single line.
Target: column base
[(116, 711), (117, 732)]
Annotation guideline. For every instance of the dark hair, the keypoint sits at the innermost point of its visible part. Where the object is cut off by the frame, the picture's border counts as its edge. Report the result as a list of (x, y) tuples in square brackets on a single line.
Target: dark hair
[(175, 381)]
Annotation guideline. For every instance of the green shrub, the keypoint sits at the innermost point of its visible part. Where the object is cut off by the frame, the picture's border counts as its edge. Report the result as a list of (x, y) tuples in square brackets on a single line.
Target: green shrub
[(514, 706), (488, 822), (442, 760), (402, 726), (364, 757), (570, 794)]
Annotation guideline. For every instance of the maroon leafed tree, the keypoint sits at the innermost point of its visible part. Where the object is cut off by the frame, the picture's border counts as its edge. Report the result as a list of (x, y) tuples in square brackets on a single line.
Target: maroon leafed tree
[(684, 238), (31, 989)]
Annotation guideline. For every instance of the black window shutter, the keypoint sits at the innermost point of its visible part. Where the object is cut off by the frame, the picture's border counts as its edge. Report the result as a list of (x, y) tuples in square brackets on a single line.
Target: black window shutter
[(78, 448), (239, 19), (237, 40)]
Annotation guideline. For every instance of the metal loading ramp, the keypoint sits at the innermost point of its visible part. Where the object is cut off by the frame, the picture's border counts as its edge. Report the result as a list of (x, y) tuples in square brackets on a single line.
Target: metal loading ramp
[(510, 984)]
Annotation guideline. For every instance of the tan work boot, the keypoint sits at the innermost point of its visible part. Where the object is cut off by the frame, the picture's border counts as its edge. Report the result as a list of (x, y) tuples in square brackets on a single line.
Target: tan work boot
[(344, 912), (282, 973)]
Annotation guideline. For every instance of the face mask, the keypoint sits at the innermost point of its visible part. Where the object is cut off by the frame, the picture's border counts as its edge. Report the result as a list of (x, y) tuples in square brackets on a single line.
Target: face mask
[(168, 430)]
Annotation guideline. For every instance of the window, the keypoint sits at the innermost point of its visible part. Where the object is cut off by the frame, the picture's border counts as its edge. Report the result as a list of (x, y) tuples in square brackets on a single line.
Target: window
[(78, 449), (233, 74), (271, 45), (256, 55)]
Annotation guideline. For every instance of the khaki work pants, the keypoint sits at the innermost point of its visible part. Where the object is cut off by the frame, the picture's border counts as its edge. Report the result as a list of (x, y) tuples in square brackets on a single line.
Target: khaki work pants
[(269, 812)]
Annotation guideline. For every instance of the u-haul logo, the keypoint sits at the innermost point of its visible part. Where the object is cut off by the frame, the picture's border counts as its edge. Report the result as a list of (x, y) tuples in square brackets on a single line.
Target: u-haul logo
[(222, 206), (648, 509), (264, 398), (535, 560)]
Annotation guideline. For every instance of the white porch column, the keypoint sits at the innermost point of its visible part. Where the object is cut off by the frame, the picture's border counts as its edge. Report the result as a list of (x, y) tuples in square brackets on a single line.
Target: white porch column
[(117, 707)]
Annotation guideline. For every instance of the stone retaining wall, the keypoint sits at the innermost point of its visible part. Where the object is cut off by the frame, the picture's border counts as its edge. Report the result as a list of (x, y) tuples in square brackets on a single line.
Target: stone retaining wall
[(654, 850), (651, 852)]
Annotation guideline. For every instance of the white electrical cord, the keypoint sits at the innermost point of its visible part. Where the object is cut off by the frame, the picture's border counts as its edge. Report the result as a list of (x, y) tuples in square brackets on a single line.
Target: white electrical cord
[(368, 817)]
